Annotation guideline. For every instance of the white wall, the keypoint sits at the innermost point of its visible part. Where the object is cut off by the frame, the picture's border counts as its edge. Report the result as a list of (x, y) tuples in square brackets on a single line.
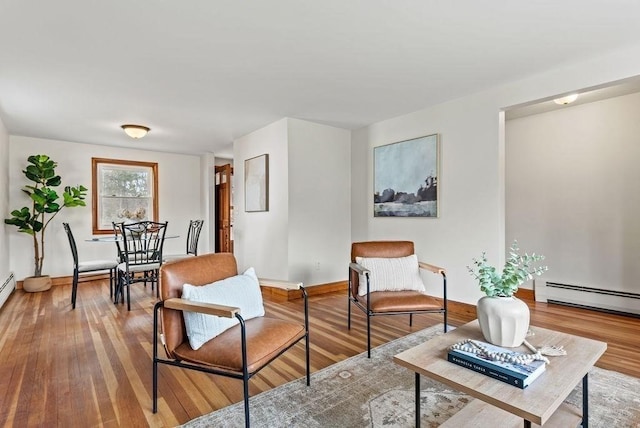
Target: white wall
[(179, 200), (468, 184), (305, 236), (207, 243), (5, 209), (319, 202), (471, 181), (261, 238), (220, 161), (573, 191)]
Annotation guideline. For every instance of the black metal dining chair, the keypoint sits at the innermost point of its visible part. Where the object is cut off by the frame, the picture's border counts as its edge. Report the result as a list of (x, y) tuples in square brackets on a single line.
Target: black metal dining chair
[(141, 253), (193, 235), (88, 266)]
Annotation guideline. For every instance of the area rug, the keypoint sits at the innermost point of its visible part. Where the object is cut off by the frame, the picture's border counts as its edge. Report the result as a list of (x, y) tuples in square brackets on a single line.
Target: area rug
[(376, 392)]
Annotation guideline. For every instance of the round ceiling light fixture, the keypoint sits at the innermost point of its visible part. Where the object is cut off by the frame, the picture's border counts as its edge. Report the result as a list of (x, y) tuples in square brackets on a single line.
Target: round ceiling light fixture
[(566, 100), (135, 131)]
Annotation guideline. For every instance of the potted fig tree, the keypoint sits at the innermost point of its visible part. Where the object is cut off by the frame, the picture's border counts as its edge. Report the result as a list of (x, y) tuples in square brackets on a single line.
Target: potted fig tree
[(45, 205)]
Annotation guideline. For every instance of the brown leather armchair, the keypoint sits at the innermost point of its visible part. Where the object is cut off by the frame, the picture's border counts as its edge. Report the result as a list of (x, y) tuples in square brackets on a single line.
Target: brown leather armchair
[(239, 352), (390, 302)]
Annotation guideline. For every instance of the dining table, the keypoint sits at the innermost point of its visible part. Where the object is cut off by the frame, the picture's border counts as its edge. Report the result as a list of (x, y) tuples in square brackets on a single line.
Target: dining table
[(113, 238)]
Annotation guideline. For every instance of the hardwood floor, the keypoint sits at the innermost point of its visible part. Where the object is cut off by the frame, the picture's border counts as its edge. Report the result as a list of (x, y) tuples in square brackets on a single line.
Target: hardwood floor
[(92, 366)]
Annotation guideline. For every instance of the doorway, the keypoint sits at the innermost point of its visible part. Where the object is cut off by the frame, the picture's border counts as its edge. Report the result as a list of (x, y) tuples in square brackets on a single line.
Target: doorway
[(224, 209)]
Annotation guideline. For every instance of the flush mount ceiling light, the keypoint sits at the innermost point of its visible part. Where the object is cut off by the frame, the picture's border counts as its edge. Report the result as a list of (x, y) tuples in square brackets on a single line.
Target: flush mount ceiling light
[(566, 100), (135, 131)]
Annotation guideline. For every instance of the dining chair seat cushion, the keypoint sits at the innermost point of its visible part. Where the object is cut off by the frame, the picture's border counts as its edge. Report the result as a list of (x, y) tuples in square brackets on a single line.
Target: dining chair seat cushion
[(170, 257), (91, 265), (390, 274), (139, 267), (240, 291), (266, 338)]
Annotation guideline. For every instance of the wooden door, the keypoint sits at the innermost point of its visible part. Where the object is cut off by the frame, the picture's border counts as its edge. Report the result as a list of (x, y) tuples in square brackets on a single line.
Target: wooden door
[(224, 235)]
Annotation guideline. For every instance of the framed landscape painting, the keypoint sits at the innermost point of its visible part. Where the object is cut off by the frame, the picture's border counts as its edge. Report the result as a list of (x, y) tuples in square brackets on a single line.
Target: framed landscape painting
[(256, 184), (406, 178)]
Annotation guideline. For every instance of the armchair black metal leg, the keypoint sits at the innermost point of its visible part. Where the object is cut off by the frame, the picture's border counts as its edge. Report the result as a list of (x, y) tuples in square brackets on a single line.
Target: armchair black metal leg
[(444, 298), (155, 357), (308, 360), (155, 385), (417, 400), (245, 385), (348, 313), (368, 336), (306, 328), (74, 288), (410, 320), (245, 373)]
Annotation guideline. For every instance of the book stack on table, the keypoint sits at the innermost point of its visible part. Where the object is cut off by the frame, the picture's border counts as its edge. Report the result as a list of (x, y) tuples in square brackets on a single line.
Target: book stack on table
[(520, 375)]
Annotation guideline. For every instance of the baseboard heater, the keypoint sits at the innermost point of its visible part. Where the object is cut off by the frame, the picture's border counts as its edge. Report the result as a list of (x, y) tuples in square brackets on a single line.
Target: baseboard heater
[(614, 301), (7, 288)]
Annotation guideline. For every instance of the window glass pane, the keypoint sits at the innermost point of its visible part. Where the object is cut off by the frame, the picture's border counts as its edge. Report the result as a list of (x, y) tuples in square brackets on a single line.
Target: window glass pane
[(123, 209), (120, 180)]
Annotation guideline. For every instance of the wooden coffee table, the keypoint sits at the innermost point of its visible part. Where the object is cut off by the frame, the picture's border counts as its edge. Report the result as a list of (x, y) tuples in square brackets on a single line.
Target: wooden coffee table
[(501, 404)]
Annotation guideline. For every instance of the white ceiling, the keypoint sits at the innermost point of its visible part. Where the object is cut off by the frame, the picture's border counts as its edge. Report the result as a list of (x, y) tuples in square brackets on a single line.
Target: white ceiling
[(201, 73)]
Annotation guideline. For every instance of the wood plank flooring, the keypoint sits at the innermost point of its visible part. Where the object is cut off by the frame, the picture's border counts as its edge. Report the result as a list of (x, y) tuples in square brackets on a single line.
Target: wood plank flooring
[(92, 366)]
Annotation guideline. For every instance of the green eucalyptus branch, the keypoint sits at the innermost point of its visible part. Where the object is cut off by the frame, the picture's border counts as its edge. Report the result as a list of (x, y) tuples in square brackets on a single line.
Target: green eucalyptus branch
[(517, 269)]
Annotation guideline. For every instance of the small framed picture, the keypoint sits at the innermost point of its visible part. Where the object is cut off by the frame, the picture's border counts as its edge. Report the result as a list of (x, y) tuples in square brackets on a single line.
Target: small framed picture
[(256, 184)]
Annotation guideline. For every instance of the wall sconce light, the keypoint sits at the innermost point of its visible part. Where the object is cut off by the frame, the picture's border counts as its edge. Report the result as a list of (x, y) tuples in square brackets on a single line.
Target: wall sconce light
[(566, 100), (135, 131)]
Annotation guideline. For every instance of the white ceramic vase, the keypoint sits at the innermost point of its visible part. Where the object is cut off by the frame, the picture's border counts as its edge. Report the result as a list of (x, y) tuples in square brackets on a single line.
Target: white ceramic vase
[(504, 321)]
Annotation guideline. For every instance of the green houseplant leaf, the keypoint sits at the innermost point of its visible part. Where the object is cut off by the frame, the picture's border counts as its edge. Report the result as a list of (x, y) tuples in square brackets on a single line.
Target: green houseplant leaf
[(45, 203), (517, 269)]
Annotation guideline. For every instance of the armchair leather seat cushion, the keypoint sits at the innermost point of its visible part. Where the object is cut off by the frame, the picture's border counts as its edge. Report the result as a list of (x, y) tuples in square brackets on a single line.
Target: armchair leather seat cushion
[(390, 274), (239, 291), (399, 301), (266, 339)]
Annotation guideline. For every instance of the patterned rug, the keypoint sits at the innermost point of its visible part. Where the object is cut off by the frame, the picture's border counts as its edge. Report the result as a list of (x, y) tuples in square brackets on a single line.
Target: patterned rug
[(362, 392)]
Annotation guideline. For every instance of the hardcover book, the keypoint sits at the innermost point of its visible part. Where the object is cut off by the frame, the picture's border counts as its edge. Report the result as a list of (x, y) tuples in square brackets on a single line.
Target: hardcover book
[(520, 375)]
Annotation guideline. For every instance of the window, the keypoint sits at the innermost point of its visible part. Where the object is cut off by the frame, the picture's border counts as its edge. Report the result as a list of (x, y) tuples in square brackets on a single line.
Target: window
[(123, 190)]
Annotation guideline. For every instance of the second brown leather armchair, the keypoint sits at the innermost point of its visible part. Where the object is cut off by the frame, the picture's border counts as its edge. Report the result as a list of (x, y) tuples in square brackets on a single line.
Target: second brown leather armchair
[(391, 300)]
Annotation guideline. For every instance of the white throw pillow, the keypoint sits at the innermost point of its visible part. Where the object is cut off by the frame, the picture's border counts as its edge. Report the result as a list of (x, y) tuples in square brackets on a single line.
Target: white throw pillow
[(240, 291), (390, 274)]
